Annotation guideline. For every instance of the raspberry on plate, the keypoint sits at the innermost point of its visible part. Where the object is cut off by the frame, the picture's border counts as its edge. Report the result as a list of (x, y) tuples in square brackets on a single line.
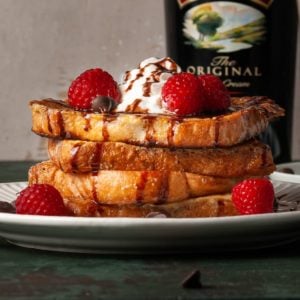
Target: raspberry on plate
[(253, 196), (41, 199), (91, 84), (182, 94), (217, 97)]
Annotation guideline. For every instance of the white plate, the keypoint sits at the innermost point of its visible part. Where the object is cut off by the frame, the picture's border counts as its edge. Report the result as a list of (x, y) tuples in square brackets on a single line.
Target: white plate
[(132, 235), (287, 186), (286, 177)]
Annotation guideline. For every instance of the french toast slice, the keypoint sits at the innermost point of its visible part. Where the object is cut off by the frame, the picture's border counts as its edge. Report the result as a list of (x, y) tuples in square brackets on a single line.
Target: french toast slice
[(251, 158), (246, 118), (130, 187), (208, 206)]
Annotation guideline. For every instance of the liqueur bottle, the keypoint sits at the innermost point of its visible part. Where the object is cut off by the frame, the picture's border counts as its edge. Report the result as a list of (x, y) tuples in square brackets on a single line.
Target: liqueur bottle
[(250, 44)]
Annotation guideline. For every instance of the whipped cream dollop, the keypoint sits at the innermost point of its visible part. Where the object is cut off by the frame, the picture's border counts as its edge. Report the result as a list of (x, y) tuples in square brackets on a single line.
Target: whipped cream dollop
[(141, 87)]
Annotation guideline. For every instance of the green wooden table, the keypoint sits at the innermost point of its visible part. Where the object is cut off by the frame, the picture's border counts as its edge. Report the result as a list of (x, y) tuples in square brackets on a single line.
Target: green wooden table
[(272, 273)]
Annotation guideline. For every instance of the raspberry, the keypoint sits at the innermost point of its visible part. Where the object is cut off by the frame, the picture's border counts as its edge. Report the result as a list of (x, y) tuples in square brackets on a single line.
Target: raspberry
[(41, 199), (182, 94), (253, 196), (217, 97), (89, 85)]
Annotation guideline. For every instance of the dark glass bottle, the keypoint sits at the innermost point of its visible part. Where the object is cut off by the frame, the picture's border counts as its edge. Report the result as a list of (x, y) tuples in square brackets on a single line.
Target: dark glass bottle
[(250, 44)]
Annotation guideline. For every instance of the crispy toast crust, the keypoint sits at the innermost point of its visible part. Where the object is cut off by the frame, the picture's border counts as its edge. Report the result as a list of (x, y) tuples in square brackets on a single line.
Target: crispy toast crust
[(246, 118), (130, 187), (208, 206), (251, 158)]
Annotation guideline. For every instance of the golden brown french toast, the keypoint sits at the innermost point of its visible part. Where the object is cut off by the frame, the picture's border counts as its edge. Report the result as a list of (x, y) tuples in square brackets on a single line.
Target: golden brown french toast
[(251, 158), (130, 187), (246, 118), (208, 206)]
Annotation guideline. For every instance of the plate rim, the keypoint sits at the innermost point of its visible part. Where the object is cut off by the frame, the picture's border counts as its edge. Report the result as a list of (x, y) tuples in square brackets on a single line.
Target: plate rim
[(127, 236)]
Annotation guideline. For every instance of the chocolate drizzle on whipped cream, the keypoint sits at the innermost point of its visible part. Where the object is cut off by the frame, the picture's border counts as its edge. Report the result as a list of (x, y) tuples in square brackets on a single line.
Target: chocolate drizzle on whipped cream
[(147, 88), (144, 84)]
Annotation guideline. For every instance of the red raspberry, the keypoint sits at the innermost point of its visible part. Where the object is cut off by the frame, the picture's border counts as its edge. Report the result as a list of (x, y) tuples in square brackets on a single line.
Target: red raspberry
[(41, 199), (91, 84), (182, 94), (216, 95), (253, 196)]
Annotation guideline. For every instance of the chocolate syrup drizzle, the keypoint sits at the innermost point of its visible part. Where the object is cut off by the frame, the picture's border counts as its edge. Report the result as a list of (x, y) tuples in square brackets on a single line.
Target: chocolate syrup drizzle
[(60, 123), (74, 154), (165, 65), (133, 107), (106, 120), (94, 189), (217, 130), (49, 122), (147, 88), (87, 125), (96, 158), (150, 139), (174, 121), (164, 188), (138, 75), (140, 187)]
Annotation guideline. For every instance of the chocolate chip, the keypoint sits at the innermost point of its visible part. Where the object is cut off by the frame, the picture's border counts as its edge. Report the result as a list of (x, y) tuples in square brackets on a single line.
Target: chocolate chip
[(286, 170), (7, 207), (156, 214), (192, 281), (103, 104)]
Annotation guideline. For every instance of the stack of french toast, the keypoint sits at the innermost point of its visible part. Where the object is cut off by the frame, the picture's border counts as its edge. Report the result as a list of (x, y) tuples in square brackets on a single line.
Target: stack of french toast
[(135, 163)]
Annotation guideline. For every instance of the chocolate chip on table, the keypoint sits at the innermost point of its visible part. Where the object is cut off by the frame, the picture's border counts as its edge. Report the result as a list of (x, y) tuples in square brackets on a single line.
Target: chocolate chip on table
[(286, 170), (7, 207), (192, 281)]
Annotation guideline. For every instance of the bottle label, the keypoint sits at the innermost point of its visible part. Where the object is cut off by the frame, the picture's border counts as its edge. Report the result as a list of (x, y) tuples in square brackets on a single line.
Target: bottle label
[(226, 39), (241, 42)]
